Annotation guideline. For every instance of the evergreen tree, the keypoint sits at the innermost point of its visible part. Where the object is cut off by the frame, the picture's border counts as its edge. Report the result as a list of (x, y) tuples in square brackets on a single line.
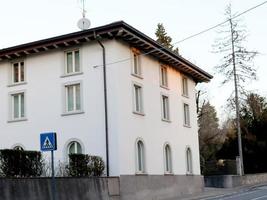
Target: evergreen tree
[(164, 39), (210, 136)]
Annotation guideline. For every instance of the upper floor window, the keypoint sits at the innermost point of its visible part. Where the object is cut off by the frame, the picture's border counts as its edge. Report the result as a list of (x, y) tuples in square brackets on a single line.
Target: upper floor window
[(73, 97), (72, 62), (140, 157), (165, 107), (163, 76), (186, 115), (136, 65), (17, 106), (168, 159), (18, 75), (185, 86), (138, 99)]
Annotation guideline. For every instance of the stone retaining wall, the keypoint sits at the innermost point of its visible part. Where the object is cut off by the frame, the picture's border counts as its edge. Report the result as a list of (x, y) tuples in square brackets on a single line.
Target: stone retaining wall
[(230, 181)]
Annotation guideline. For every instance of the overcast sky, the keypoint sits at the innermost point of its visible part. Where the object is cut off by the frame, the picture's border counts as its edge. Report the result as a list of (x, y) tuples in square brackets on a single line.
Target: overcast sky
[(30, 20)]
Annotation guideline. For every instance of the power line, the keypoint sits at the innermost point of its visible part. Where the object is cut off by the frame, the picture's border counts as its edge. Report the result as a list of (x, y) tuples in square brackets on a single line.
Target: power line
[(213, 27), (193, 35)]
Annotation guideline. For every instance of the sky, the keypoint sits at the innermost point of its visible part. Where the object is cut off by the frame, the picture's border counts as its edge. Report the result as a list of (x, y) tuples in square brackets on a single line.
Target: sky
[(30, 20)]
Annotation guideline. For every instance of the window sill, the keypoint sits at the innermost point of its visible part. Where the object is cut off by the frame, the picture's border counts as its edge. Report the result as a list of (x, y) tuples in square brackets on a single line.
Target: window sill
[(17, 120), (141, 174), (187, 126), (165, 87), (16, 84), (166, 120), (139, 113), (71, 74), (189, 174), (72, 113), (186, 96), (168, 174), (137, 76)]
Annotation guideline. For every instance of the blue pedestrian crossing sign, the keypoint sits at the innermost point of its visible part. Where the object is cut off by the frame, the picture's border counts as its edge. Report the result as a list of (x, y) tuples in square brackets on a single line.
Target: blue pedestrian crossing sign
[(48, 141)]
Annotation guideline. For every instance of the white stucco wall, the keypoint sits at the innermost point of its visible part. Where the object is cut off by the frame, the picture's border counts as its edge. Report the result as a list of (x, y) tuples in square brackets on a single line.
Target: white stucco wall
[(45, 97), (150, 127)]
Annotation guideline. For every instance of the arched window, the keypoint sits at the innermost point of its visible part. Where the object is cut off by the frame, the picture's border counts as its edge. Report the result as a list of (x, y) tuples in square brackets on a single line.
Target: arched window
[(18, 148), (189, 167), (74, 148), (140, 157), (168, 159)]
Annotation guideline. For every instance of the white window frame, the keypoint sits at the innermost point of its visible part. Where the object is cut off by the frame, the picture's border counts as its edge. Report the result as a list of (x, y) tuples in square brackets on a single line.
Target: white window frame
[(136, 65), (167, 159), (141, 101), (74, 72), (138, 159), (189, 161), (18, 145), (165, 107), (65, 97), (12, 118), (12, 77), (185, 91), (186, 114), (67, 145), (163, 78)]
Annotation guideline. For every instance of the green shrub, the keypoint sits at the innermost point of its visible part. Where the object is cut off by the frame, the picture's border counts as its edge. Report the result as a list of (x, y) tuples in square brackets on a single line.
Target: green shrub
[(17, 163), (97, 165), (82, 165)]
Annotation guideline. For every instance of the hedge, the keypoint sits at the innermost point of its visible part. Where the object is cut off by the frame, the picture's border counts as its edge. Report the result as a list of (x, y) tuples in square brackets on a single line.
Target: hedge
[(17, 163), (81, 165)]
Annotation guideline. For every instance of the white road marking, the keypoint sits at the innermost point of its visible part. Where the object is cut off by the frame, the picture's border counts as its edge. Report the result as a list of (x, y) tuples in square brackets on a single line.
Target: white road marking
[(259, 197), (229, 196)]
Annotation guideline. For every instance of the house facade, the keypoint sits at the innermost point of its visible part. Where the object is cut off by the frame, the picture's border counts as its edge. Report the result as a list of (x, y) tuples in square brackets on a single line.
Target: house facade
[(109, 91)]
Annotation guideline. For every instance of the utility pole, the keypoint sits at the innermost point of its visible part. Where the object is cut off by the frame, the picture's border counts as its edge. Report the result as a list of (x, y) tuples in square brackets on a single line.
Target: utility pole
[(237, 102)]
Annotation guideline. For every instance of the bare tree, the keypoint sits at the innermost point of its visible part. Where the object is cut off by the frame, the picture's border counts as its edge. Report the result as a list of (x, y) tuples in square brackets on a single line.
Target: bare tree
[(236, 64)]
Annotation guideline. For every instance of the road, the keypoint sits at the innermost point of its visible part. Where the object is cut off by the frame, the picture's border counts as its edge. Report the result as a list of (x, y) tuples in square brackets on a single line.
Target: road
[(258, 193)]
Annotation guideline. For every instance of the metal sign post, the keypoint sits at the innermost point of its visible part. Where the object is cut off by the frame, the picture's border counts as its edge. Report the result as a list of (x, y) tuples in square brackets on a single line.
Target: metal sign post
[(48, 142)]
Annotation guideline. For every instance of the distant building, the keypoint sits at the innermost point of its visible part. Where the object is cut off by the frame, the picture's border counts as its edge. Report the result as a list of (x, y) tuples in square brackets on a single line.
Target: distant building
[(57, 84)]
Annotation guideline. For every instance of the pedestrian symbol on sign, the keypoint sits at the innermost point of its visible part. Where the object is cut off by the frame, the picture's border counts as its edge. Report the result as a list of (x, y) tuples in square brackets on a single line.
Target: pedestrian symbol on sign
[(47, 144)]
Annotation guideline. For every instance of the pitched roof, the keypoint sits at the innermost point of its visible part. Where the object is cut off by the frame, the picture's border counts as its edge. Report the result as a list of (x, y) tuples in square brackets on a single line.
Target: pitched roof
[(117, 30)]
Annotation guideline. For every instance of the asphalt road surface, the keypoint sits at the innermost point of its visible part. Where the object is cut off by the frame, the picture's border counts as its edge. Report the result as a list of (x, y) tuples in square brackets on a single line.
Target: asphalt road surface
[(258, 193)]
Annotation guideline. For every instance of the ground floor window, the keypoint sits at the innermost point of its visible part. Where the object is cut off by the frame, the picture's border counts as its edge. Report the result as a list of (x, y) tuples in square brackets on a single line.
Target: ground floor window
[(74, 148), (140, 157), (189, 167), (168, 159)]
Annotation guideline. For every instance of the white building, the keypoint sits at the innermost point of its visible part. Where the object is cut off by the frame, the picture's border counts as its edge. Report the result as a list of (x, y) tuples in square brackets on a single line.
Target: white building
[(57, 85)]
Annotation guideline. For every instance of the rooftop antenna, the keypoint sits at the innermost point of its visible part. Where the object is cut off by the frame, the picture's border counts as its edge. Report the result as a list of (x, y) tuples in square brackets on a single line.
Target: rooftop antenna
[(83, 23)]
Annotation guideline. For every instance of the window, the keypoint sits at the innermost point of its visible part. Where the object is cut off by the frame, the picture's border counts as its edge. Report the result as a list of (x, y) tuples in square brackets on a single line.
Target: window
[(163, 76), (136, 65), (186, 115), (168, 159), (140, 157), (18, 72), (73, 97), (18, 148), (138, 101), (165, 107), (17, 106), (189, 167), (185, 86), (74, 148), (72, 62)]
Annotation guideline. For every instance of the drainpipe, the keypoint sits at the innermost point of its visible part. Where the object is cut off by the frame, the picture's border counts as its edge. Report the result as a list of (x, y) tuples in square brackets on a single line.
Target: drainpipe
[(105, 100)]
